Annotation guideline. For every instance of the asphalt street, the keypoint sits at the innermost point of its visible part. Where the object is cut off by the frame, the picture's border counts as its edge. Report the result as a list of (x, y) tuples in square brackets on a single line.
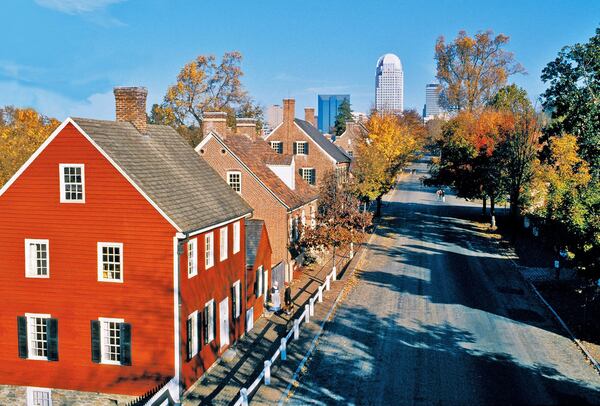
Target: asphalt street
[(440, 316)]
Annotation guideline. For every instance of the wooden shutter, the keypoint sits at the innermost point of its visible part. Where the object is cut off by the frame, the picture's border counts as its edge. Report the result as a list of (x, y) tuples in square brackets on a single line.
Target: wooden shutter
[(280, 148), (205, 324), (199, 328), (306, 148), (233, 302), (295, 147), (52, 334), (125, 343), (314, 177), (214, 319), (22, 333), (95, 327), (188, 335), (256, 283)]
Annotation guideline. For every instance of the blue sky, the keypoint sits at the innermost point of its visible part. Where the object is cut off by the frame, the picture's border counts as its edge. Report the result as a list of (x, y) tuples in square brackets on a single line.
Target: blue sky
[(63, 57)]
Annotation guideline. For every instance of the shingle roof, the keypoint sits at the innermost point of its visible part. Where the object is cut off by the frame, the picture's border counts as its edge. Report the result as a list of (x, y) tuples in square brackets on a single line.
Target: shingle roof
[(256, 155), (331, 149), (169, 171), (253, 233)]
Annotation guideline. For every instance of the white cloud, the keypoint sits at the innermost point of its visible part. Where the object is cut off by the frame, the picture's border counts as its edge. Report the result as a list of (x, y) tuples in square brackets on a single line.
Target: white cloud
[(76, 6), (52, 104)]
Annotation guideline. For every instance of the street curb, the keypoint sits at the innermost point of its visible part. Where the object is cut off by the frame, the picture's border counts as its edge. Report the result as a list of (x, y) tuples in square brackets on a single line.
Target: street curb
[(566, 328), (313, 344)]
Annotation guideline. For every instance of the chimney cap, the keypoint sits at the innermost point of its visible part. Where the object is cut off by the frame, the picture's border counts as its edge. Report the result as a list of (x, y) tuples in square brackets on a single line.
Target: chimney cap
[(128, 89), (246, 122)]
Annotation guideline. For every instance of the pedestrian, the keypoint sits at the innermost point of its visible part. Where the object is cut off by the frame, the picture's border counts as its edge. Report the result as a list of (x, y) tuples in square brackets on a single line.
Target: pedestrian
[(443, 194), (287, 299), (275, 298)]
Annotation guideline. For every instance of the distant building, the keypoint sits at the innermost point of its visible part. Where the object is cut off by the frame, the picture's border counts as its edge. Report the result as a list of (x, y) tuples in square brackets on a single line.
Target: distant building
[(432, 102), (359, 117), (274, 117), (329, 105), (389, 84)]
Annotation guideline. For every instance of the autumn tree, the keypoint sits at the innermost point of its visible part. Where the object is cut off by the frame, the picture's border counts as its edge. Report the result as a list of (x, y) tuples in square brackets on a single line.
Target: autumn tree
[(206, 85), (471, 69), (22, 131), (344, 115), (339, 220), (390, 143)]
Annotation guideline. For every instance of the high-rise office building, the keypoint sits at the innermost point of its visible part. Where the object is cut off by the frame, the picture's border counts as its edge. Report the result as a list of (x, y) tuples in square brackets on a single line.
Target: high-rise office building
[(432, 101), (389, 84), (329, 105), (274, 117)]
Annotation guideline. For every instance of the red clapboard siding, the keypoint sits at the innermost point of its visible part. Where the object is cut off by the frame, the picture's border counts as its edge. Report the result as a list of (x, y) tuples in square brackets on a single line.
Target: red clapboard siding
[(212, 283), (263, 258), (114, 212)]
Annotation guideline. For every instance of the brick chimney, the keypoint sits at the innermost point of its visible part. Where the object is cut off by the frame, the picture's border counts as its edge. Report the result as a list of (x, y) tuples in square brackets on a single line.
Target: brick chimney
[(247, 127), (309, 115), (131, 106), (289, 110), (215, 120)]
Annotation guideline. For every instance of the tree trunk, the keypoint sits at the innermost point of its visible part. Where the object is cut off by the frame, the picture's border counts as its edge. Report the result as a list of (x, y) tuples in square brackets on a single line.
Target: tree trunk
[(484, 206), (378, 210), (514, 205)]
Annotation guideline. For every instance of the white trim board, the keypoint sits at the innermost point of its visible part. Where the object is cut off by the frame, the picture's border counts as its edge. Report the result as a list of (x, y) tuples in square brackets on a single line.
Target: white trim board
[(52, 136)]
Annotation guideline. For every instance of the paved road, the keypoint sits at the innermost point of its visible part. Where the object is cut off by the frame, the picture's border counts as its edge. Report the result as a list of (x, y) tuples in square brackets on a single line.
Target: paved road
[(441, 317)]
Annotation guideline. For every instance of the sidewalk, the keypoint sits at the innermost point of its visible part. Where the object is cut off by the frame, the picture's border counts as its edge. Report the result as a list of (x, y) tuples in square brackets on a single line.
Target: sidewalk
[(222, 383)]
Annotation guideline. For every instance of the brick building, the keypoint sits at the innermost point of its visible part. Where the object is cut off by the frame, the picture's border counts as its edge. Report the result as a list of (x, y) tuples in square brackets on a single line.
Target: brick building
[(315, 155), (123, 263), (349, 138), (268, 181)]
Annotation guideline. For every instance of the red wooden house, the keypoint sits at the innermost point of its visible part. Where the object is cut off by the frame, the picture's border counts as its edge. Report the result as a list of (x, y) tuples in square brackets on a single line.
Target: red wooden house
[(123, 262)]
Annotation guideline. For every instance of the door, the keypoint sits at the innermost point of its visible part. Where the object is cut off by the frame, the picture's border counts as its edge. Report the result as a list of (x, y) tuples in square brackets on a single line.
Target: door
[(224, 322)]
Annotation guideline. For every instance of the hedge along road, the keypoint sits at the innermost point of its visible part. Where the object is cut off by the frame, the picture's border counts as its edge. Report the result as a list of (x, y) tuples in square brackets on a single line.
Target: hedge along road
[(440, 316)]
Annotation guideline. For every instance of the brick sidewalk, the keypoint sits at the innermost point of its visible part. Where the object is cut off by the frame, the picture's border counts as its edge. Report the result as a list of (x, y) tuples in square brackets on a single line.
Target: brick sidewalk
[(222, 383)]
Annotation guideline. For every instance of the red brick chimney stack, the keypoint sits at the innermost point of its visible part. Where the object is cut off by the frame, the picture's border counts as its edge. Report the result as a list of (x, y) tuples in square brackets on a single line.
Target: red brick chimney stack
[(289, 110), (309, 115), (215, 120), (131, 106), (247, 127)]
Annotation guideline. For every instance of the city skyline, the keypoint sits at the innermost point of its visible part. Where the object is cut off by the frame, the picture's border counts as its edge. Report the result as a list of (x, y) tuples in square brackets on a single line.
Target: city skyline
[(389, 84), (43, 67)]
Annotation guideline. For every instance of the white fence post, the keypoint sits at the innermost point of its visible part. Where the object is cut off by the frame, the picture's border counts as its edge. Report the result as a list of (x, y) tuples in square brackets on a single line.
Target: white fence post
[(267, 372), (283, 349), (296, 329), (320, 294), (351, 250), (312, 306), (244, 396), (327, 283), (334, 273), (307, 310)]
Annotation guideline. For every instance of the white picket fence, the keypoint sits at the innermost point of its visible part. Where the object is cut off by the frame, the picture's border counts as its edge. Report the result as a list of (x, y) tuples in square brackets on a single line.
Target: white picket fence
[(294, 333)]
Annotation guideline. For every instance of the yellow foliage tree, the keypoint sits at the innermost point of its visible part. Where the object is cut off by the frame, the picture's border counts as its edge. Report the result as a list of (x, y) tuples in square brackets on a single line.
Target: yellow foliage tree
[(22, 131)]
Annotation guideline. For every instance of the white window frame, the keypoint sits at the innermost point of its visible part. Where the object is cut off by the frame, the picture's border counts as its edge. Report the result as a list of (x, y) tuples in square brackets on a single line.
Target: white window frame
[(29, 317), (223, 243), (260, 272), (304, 144), (249, 319), (103, 356), (192, 251), (237, 287), (209, 250), (238, 173), (306, 178), (101, 263), (236, 237), (279, 145), (31, 392), (212, 319), (194, 332), (61, 170), (33, 273)]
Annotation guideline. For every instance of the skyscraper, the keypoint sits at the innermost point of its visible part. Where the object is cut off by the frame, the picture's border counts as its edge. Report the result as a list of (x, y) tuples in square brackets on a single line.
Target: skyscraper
[(389, 84), (432, 101), (328, 105)]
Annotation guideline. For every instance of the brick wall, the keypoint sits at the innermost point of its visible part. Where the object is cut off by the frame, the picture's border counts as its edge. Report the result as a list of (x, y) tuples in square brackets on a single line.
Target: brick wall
[(17, 396)]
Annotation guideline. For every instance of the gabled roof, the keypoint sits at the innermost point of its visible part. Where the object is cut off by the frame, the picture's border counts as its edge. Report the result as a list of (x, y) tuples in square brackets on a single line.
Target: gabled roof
[(256, 155), (169, 172), (254, 229), (332, 150)]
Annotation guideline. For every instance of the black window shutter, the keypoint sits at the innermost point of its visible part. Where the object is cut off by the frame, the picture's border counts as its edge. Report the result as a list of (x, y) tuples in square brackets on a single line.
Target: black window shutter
[(281, 148), (306, 148), (205, 326), (256, 283), (22, 330), (52, 330), (214, 319), (314, 177), (233, 303), (125, 343), (188, 335), (199, 327), (95, 325), (295, 147)]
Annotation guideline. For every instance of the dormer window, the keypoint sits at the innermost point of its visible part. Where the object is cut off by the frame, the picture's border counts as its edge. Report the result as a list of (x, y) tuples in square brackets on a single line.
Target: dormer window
[(277, 146), (234, 179), (300, 148), (72, 183)]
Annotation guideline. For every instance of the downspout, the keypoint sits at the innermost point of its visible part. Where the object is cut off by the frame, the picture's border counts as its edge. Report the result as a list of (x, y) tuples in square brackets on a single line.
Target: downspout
[(176, 316)]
